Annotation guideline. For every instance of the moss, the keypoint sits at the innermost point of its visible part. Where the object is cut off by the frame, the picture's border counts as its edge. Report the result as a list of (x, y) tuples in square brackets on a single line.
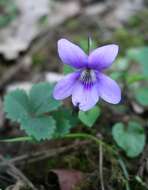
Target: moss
[(43, 21), (139, 23), (139, 19), (133, 33), (8, 12), (89, 184), (72, 24), (40, 58), (127, 39), (52, 163), (78, 162)]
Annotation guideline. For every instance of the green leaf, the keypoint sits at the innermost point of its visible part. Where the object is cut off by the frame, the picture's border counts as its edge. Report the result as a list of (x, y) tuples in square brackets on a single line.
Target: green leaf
[(65, 120), (63, 125), (67, 69), (141, 56), (69, 115), (116, 75), (41, 98), (16, 105), (39, 127), (84, 44), (130, 138), (31, 110), (89, 117), (134, 78), (132, 53), (9, 12), (141, 96), (121, 64)]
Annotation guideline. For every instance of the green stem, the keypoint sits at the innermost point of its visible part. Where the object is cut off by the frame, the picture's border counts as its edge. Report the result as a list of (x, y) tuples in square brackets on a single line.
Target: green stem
[(73, 135), (100, 142), (17, 139), (83, 136), (92, 138)]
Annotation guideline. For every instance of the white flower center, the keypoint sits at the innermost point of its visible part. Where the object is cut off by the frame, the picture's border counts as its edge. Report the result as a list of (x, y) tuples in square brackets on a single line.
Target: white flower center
[(88, 77)]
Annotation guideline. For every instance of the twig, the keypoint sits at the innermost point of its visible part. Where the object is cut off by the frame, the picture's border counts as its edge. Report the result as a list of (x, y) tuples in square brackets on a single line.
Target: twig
[(15, 172), (101, 166), (125, 172), (20, 176), (37, 156), (10, 73)]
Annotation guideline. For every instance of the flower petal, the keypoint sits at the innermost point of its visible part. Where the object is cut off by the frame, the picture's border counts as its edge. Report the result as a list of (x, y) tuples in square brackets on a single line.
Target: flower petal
[(64, 88), (83, 97), (71, 54), (103, 57), (108, 89)]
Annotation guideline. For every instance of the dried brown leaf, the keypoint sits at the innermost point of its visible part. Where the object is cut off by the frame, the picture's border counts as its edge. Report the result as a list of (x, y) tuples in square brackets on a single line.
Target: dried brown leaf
[(67, 179)]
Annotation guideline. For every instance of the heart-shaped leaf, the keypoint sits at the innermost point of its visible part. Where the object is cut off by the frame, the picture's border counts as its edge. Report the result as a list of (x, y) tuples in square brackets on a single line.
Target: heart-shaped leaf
[(65, 120), (130, 138), (89, 117), (62, 125), (141, 96), (141, 56)]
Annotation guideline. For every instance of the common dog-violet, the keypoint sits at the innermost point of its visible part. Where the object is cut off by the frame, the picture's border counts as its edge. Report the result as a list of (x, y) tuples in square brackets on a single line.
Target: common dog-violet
[(88, 83)]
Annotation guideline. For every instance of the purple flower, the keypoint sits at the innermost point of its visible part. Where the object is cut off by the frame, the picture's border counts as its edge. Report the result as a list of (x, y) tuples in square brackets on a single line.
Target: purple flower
[(88, 83)]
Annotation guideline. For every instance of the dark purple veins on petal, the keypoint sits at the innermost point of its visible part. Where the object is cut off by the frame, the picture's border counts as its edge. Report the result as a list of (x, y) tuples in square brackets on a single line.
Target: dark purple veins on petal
[(87, 78)]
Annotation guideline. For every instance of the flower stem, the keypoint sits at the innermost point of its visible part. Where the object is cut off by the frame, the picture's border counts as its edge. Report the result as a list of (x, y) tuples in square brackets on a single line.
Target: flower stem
[(92, 138), (108, 147), (89, 44)]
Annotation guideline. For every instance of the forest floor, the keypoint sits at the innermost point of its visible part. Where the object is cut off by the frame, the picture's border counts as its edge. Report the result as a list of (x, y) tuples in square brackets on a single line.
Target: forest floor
[(81, 163)]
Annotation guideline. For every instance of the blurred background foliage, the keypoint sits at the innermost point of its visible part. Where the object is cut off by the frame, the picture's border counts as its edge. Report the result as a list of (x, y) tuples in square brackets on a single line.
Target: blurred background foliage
[(29, 31), (8, 12)]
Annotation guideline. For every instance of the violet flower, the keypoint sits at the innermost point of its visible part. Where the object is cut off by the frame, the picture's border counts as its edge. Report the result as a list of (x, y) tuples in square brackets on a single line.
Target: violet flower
[(88, 83)]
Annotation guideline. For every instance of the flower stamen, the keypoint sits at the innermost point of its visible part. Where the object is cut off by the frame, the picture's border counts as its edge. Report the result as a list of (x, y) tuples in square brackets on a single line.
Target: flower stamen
[(87, 77)]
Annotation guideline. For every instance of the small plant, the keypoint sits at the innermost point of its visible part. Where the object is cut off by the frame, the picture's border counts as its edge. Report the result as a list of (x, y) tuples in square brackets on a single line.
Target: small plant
[(42, 115)]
